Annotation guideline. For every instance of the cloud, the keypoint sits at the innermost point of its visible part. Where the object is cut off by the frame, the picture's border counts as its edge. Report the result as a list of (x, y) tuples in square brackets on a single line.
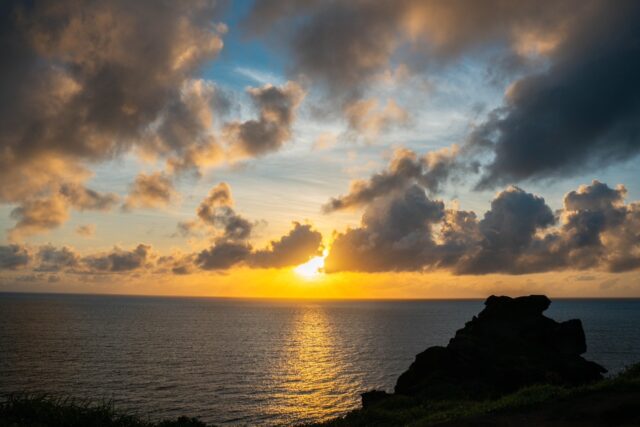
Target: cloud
[(596, 196), (216, 213), (340, 43), (36, 215), (150, 191), (83, 198), (118, 260), (223, 255), (367, 118), (405, 168), (86, 230), (403, 230), (581, 112), (599, 229), (258, 75), (395, 235), (507, 229), (232, 232), (324, 141), (220, 195), (578, 108), (294, 248), (83, 82), (13, 257), (519, 234), (176, 263), (344, 45), (277, 107), (52, 259), (81, 78), (185, 131)]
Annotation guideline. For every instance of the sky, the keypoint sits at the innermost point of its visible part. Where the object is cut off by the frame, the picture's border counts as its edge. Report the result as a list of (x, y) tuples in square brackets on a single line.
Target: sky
[(320, 149)]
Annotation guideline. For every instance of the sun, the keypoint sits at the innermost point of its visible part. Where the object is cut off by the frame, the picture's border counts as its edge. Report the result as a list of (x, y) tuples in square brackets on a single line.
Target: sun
[(313, 268)]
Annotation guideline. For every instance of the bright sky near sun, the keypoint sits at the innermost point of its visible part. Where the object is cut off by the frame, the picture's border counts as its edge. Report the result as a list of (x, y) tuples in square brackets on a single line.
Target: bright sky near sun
[(319, 149)]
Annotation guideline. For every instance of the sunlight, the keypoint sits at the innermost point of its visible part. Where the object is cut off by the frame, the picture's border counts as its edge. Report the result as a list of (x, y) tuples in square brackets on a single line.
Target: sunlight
[(312, 268)]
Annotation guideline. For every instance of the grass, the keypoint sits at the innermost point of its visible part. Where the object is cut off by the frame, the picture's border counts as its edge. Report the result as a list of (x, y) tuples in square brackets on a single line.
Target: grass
[(40, 410), (406, 411), (36, 410)]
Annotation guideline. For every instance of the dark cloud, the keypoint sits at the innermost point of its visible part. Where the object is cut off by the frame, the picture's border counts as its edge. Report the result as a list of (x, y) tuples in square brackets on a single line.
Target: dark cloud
[(507, 230), (176, 263), (223, 255), (405, 230), (406, 168), (36, 215), (66, 260), (227, 251), (85, 81), (216, 212), (459, 232), (232, 232), (83, 198), (118, 260), (578, 108), (599, 229), (583, 111), (340, 44), (596, 196), (185, 132), (180, 270), (277, 107), (234, 226), (395, 234), (52, 259), (149, 191), (296, 247), (220, 195), (518, 235), (344, 45), (13, 257)]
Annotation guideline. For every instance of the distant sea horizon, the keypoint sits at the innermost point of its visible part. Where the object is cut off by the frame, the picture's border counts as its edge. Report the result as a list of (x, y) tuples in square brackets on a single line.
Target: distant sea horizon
[(239, 360), (295, 298)]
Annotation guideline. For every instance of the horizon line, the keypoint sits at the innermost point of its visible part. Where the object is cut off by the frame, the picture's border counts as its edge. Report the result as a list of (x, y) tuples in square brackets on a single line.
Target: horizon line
[(297, 298)]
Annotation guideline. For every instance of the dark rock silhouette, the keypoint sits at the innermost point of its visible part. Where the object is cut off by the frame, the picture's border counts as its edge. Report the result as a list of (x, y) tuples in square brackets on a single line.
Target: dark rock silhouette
[(509, 345)]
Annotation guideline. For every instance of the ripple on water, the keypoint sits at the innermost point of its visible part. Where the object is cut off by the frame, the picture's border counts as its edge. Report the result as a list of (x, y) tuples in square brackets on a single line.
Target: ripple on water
[(247, 361)]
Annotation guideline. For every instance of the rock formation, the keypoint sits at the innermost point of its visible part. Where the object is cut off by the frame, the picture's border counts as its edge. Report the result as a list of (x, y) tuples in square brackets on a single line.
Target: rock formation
[(509, 345)]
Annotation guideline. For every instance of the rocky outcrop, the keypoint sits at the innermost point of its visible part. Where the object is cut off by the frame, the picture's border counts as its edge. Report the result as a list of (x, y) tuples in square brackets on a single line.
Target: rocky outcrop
[(509, 345)]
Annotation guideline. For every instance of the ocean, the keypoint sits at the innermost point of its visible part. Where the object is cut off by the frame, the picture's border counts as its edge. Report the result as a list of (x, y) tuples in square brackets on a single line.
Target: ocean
[(253, 362)]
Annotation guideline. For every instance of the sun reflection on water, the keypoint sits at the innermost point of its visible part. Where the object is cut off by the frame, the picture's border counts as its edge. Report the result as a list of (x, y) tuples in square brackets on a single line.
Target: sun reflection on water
[(310, 376)]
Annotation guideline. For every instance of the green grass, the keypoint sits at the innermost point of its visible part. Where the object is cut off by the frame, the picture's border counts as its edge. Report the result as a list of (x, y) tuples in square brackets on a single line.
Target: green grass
[(406, 411)]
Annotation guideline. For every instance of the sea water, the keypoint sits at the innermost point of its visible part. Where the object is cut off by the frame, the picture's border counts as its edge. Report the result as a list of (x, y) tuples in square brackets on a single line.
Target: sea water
[(243, 361)]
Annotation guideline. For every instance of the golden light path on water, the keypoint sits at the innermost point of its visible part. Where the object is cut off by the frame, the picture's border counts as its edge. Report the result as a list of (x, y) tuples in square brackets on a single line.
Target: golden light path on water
[(311, 378)]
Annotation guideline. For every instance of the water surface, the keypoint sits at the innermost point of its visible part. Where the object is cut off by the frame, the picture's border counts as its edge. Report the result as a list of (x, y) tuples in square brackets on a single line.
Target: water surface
[(233, 361)]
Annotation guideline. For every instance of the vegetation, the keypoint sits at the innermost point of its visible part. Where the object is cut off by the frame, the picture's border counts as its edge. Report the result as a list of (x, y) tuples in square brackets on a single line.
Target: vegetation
[(38, 410), (612, 401), (609, 402)]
